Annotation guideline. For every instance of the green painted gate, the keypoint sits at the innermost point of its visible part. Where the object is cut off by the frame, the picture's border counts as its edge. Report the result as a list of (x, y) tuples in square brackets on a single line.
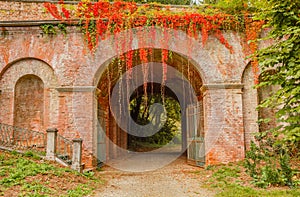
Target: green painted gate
[(195, 135)]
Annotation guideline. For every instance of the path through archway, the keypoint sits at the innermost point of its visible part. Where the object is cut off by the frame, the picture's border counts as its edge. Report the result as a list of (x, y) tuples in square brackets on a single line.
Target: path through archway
[(119, 86), (144, 110)]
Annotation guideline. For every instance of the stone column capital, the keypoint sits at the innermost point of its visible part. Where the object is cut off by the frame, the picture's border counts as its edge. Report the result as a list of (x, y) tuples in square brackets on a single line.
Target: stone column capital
[(221, 86), (77, 140), (52, 130)]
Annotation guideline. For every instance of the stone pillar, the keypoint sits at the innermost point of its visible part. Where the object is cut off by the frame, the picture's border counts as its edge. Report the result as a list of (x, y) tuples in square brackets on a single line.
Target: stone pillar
[(51, 143), (79, 103), (96, 127), (77, 154), (223, 123)]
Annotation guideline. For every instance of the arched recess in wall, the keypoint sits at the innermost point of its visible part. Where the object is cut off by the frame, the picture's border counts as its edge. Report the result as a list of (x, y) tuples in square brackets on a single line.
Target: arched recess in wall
[(264, 93), (29, 103), (250, 101), (28, 71)]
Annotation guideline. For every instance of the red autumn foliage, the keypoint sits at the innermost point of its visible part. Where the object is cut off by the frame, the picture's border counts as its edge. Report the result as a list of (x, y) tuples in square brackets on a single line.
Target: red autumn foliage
[(102, 19)]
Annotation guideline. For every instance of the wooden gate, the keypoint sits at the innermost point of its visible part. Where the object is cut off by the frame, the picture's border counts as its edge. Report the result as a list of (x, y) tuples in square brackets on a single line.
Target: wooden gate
[(195, 135)]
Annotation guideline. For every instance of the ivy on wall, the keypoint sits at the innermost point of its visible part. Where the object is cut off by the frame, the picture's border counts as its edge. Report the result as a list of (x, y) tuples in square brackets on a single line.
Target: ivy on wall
[(269, 159), (99, 20), (102, 19)]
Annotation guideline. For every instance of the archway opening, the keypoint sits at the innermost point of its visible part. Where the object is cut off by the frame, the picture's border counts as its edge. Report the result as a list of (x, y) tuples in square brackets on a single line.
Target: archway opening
[(143, 111), (174, 93)]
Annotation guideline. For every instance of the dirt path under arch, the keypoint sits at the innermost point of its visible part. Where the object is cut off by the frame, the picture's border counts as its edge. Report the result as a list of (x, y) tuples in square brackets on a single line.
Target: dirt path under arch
[(178, 179)]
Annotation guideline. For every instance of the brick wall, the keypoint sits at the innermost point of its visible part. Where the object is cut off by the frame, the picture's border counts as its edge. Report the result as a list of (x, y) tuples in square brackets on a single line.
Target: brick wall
[(223, 123), (8, 81), (19, 11), (70, 74)]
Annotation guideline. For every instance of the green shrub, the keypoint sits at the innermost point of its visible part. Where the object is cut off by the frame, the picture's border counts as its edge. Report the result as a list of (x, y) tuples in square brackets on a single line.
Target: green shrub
[(269, 164)]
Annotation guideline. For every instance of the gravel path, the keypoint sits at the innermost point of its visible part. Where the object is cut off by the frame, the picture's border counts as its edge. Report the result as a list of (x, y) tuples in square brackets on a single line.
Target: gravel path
[(174, 180)]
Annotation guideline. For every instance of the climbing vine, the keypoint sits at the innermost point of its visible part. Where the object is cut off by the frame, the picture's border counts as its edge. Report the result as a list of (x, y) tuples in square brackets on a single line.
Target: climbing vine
[(253, 29), (270, 158), (101, 19), (50, 29)]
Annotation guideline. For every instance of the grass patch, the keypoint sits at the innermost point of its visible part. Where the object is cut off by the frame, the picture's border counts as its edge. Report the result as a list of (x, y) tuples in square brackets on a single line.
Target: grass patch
[(233, 190), (35, 188), (231, 180), (29, 175), (80, 190)]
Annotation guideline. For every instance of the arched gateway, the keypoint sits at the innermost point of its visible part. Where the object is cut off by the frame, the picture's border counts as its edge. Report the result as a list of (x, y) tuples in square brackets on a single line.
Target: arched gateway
[(77, 90), (217, 89)]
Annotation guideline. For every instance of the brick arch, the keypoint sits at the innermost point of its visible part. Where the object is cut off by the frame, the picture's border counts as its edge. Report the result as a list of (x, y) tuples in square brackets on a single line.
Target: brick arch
[(121, 135), (176, 62), (203, 57), (250, 101), (24, 66), (245, 70), (251, 98), (193, 66), (13, 73), (220, 72)]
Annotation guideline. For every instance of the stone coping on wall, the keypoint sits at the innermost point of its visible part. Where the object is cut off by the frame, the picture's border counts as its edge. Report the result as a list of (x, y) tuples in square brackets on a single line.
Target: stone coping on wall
[(203, 88), (31, 23), (221, 86), (14, 10), (77, 89), (42, 1)]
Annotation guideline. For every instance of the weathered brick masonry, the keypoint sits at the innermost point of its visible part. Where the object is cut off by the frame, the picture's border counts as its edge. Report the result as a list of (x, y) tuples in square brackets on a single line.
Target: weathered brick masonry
[(69, 74)]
